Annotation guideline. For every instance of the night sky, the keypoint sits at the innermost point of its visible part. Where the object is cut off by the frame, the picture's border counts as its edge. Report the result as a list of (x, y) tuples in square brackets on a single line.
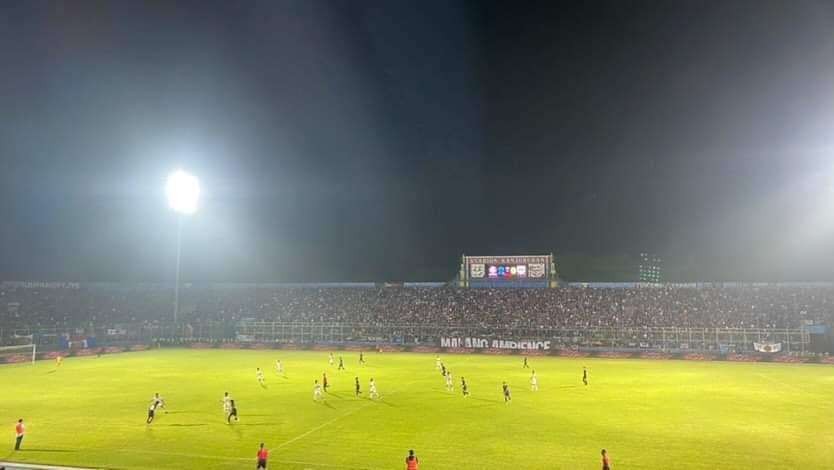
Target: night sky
[(380, 140)]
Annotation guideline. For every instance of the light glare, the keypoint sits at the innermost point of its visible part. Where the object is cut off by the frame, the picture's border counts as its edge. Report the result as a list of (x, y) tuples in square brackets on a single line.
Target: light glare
[(183, 191)]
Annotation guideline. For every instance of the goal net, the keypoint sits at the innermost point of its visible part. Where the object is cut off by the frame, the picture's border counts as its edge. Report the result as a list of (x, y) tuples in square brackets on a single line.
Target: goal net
[(17, 353)]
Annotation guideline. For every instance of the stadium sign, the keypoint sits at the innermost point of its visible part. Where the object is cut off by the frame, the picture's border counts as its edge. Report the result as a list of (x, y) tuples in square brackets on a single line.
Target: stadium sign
[(525, 270), (507, 267), (485, 343), (768, 347)]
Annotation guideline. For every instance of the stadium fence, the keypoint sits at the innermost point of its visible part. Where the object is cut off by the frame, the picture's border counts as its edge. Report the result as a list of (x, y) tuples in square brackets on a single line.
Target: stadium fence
[(630, 339)]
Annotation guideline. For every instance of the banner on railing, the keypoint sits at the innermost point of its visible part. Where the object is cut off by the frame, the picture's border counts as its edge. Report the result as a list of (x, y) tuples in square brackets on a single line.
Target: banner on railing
[(486, 343), (768, 347), (39, 285)]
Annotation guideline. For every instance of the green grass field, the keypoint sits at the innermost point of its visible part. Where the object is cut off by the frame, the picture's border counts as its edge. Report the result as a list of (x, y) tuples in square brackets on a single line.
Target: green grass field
[(648, 414)]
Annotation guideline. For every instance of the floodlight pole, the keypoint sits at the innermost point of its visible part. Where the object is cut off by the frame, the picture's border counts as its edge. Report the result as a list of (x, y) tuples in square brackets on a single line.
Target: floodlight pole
[(177, 279)]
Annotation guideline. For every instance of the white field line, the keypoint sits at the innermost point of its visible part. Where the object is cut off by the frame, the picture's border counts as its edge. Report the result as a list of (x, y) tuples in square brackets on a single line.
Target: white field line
[(38, 467), (322, 426), (331, 421), (235, 459), (279, 446), (232, 459), (784, 384)]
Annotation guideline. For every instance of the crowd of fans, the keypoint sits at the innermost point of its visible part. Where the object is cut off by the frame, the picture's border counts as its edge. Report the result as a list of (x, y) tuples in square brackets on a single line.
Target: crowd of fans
[(750, 307)]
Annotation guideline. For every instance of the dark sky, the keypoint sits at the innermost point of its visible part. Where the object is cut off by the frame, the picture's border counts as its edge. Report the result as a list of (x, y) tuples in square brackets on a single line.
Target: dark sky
[(373, 140)]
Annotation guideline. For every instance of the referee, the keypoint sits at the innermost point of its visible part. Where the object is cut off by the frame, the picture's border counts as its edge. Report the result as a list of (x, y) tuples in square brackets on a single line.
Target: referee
[(411, 462), (263, 454), (19, 430)]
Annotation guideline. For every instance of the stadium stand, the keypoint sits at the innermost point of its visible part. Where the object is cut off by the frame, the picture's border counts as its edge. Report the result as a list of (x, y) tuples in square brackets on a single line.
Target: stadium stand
[(751, 307)]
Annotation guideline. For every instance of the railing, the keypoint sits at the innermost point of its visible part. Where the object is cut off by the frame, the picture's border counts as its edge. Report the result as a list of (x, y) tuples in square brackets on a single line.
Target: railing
[(613, 338), (601, 338)]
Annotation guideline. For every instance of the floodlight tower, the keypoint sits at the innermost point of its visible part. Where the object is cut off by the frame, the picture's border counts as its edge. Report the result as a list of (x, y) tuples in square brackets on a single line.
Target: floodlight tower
[(183, 191)]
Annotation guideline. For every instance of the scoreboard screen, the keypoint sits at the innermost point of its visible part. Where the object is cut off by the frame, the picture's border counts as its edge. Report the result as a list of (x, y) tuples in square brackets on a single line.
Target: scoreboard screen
[(506, 271), (506, 268)]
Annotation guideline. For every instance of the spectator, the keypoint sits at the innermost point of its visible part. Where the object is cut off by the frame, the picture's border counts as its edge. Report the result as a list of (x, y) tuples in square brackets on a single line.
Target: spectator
[(767, 307)]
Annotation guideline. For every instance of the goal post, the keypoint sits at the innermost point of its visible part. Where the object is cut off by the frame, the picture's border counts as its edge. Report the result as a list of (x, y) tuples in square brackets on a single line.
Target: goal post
[(19, 353)]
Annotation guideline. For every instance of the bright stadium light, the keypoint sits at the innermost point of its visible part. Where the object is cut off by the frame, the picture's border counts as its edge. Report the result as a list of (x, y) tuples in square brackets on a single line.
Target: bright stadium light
[(183, 191)]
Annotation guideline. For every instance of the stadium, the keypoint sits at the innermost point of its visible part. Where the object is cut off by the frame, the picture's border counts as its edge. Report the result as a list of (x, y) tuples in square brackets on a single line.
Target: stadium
[(748, 362), (419, 235)]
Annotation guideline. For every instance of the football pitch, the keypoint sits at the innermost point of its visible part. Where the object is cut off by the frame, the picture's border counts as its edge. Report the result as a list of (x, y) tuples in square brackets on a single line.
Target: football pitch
[(648, 414)]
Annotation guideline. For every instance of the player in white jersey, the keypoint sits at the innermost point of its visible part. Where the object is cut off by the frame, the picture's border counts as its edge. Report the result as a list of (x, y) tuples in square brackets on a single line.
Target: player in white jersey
[(260, 376), (317, 391), (279, 368), (437, 362), (534, 382), (450, 386), (158, 401), (372, 393), (227, 405), (332, 360)]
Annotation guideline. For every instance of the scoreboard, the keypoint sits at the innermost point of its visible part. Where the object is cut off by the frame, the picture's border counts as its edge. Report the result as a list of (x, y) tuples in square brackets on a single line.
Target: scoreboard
[(523, 271)]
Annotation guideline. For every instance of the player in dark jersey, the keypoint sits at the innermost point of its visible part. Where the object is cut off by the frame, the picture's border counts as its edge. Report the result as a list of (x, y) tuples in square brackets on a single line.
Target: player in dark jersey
[(585, 375), (361, 357), (233, 412), (324, 381), (506, 389), (358, 391), (464, 387), (151, 412), (525, 366), (443, 369), (341, 364)]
